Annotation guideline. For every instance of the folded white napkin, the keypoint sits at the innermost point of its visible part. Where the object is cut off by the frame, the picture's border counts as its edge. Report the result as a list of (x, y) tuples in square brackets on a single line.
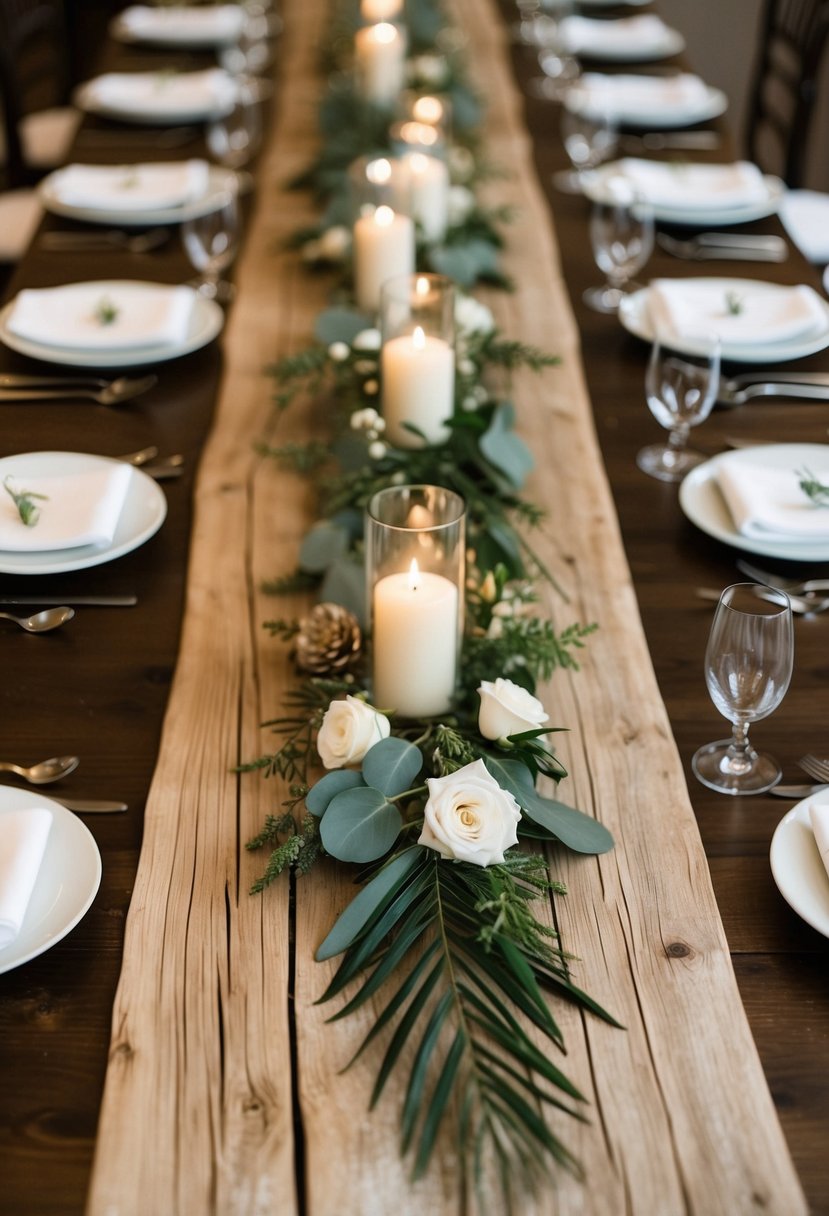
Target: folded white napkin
[(146, 187), (683, 308), (95, 316), (75, 509), (819, 816), (165, 95), (632, 36), (640, 95), (767, 503), (805, 215), (23, 837), (699, 186), (179, 23)]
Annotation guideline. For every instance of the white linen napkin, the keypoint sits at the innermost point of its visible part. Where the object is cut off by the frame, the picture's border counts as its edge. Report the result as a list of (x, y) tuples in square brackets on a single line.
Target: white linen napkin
[(683, 308), (640, 95), (23, 837), (98, 316), (178, 23), (767, 503), (165, 95), (632, 36), (819, 816), (699, 186), (75, 509), (805, 216), (145, 187)]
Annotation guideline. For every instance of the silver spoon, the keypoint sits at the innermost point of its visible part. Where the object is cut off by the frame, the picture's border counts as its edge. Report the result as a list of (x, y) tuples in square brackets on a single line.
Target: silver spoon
[(117, 391), (42, 622), (45, 771)]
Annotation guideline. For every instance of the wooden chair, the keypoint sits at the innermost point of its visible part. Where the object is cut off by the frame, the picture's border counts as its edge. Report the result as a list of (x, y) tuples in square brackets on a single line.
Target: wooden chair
[(793, 40)]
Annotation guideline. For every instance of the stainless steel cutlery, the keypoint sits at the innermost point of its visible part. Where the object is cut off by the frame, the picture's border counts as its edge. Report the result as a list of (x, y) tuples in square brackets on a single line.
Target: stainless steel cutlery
[(56, 388), (811, 386), (59, 241), (734, 246), (662, 141)]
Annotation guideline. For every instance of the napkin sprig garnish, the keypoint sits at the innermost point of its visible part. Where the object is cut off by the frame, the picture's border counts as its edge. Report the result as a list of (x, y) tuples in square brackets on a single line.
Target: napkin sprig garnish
[(812, 488), (106, 312), (24, 500), (734, 304)]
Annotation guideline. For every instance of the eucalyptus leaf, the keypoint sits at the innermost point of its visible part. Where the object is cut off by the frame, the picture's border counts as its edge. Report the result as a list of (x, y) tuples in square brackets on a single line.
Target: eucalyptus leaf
[(321, 546), (320, 794), (340, 325), (345, 583), (571, 827), (392, 766), (350, 923), (464, 262), (503, 448), (360, 825)]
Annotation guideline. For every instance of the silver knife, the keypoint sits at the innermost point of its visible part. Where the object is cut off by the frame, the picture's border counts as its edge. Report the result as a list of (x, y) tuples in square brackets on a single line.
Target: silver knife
[(796, 791), (93, 601), (89, 806)]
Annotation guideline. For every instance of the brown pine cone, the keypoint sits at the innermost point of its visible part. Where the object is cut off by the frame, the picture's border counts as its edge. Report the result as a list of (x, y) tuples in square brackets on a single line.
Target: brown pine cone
[(328, 641)]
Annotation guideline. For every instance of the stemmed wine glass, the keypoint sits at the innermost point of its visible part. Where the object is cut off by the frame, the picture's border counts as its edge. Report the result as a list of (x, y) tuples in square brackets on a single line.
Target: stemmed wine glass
[(234, 138), (681, 387), (748, 665), (621, 236), (211, 243), (590, 136)]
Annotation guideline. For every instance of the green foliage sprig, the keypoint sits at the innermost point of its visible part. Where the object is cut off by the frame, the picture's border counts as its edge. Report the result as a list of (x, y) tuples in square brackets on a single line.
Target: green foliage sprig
[(24, 500), (812, 488)]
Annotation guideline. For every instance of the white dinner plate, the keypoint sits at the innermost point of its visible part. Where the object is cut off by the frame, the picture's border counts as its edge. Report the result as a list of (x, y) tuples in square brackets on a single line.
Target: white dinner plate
[(701, 500), (596, 188), (797, 867), (195, 40), (612, 3), (671, 43), (143, 513), (220, 182), (67, 881), (714, 103), (205, 323), (86, 99), (634, 315)]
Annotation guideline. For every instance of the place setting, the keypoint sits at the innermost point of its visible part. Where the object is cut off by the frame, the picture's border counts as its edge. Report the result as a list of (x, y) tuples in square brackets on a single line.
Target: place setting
[(647, 101), (637, 39), (160, 97)]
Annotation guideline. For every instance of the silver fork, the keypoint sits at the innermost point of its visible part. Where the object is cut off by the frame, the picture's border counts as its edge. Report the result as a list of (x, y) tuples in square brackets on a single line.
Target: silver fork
[(58, 241), (815, 767), (742, 388), (114, 392), (801, 605), (790, 586), (731, 246)]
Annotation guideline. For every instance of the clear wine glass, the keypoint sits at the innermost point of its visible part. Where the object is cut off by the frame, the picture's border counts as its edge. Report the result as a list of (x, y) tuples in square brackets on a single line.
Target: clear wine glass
[(681, 387), (235, 138), (621, 236), (590, 136), (211, 243), (748, 665)]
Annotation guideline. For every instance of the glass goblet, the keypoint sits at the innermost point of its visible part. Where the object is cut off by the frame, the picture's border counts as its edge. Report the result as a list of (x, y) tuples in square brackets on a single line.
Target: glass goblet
[(621, 236), (234, 139), (748, 665), (590, 136), (211, 243), (681, 387)]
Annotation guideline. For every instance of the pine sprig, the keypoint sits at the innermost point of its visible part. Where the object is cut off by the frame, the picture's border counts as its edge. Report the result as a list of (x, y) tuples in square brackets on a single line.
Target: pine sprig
[(297, 846), (812, 488)]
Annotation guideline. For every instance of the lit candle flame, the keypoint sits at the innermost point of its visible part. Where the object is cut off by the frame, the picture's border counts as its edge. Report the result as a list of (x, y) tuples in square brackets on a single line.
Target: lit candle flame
[(414, 575), (418, 338), (384, 216), (428, 110), (418, 133), (422, 285), (384, 32), (418, 163), (378, 172)]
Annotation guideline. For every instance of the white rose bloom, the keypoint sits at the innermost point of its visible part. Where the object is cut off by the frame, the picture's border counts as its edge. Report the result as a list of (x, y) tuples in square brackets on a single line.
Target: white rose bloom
[(472, 317), (367, 339), (461, 202), (349, 729), (469, 817), (431, 69), (508, 709)]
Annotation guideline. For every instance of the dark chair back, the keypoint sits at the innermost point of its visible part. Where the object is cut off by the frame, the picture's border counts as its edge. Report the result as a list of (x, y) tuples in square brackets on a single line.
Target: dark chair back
[(793, 39), (34, 71)]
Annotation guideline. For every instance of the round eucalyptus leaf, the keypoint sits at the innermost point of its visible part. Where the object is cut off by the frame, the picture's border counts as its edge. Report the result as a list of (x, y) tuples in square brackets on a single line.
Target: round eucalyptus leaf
[(320, 794), (360, 825), (321, 547), (392, 766)]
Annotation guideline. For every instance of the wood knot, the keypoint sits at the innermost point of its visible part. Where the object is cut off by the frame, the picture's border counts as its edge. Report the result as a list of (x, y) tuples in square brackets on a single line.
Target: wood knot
[(252, 1107), (123, 1049), (678, 950)]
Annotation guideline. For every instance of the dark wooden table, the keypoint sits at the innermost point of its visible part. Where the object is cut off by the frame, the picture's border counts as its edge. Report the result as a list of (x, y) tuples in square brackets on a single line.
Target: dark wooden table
[(98, 688)]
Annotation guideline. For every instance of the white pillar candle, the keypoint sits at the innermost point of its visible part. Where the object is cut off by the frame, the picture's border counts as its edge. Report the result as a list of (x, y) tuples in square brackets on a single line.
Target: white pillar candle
[(380, 54), (429, 184), (417, 373), (380, 10), (415, 623), (384, 247)]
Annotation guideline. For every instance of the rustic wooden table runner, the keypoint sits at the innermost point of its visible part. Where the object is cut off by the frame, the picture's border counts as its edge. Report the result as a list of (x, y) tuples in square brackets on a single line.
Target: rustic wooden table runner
[(222, 1092)]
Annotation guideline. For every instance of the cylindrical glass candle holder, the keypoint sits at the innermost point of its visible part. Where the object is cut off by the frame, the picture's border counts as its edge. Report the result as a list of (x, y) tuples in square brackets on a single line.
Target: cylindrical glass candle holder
[(379, 181), (417, 358), (410, 136), (380, 10), (429, 192), (384, 232), (415, 552), (380, 63), (429, 109)]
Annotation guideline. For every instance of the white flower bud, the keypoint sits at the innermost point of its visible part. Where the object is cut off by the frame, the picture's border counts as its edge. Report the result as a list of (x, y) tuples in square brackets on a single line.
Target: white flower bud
[(338, 351)]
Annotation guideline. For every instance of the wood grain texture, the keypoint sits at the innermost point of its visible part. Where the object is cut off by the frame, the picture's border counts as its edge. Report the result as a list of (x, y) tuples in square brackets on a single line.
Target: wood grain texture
[(197, 1112)]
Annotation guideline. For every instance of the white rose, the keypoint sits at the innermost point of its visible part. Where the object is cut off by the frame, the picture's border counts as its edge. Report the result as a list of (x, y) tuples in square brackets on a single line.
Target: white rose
[(469, 817), (508, 709), (334, 243), (367, 339), (461, 203), (349, 729), (431, 69), (472, 317)]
